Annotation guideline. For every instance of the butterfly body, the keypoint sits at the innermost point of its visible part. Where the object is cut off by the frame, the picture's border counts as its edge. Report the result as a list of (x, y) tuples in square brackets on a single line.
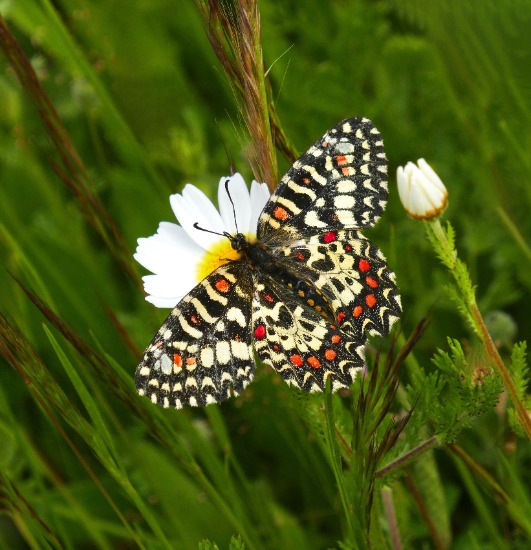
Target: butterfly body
[(304, 294), (255, 254)]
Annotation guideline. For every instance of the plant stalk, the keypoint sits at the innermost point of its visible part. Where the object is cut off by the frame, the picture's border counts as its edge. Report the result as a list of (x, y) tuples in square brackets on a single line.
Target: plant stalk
[(448, 255)]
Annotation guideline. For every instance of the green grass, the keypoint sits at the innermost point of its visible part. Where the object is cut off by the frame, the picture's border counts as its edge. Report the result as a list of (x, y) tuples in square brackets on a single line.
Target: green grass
[(419, 451)]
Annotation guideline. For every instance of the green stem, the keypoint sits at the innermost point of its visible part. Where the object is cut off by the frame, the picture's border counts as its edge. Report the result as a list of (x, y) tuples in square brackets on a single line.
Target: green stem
[(446, 251), (521, 410), (335, 458), (481, 472)]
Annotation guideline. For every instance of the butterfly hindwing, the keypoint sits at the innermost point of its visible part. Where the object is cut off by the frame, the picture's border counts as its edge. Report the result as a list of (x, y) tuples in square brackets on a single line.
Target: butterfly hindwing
[(340, 182), (204, 346), (352, 274), (298, 342)]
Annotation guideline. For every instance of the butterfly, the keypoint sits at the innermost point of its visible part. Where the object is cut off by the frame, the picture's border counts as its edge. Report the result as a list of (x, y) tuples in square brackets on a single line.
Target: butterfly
[(303, 295)]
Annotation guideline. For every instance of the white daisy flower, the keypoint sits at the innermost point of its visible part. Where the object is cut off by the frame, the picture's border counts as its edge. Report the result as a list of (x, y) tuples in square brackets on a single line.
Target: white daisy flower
[(421, 191), (180, 256)]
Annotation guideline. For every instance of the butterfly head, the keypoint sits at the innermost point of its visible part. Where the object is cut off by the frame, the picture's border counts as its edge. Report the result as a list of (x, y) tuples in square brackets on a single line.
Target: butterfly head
[(239, 242)]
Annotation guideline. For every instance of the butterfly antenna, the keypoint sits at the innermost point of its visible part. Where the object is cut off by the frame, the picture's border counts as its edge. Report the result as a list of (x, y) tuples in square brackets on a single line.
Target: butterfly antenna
[(224, 234), (232, 202)]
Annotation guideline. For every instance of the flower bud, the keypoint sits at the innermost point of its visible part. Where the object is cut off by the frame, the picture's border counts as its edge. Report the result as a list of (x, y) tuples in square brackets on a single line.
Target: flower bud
[(421, 191)]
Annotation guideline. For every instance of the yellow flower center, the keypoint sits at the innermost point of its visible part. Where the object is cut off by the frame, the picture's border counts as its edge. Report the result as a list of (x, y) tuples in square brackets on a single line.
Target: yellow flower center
[(219, 254)]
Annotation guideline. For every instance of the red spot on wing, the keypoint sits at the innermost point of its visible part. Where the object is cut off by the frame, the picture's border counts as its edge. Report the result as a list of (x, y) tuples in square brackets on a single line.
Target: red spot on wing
[(313, 362), (340, 316), (260, 332), (280, 213), (358, 310), (364, 265), (269, 298), (330, 237), (347, 171), (336, 338), (195, 319), (330, 354), (222, 285), (370, 300), (341, 160), (296, 360), (373, 283), (348, 248), (306, 180), (178, 360), (190, 361), (300, 257)]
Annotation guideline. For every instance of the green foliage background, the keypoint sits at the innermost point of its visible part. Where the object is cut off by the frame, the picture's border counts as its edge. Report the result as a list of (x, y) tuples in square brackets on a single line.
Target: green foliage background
[(86, 463)]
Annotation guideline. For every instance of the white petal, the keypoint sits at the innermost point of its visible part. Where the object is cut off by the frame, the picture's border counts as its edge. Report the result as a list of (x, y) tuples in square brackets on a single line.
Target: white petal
[(434, 196), (163, 302), (174, 287), (430, 173), (174, 235), (417, 199), (193, 206), (410, 170), (168, 250), (155, 255), (259, 197), (239, 193), (403, 184), (198, 200)]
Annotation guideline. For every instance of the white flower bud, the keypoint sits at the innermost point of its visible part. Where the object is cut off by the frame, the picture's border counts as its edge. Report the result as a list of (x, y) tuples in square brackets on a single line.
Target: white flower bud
[(421, 191)]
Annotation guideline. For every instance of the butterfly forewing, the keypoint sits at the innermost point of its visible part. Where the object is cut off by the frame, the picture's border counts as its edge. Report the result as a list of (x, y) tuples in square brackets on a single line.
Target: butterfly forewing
[(340, 182), (204, 346)]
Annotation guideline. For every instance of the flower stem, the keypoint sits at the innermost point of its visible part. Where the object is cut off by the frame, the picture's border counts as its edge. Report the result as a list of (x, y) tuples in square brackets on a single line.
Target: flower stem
[(444, 246), (492, 351)]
